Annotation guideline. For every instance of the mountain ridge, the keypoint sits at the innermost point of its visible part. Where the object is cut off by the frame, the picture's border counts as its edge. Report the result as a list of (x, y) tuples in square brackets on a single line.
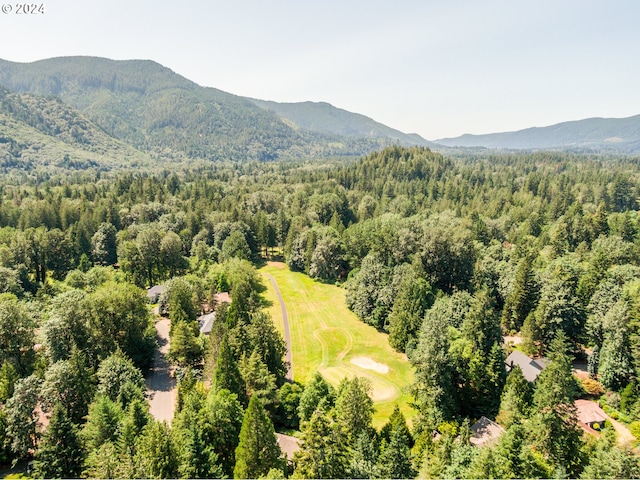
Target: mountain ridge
[(165, 115), (159, 111), (596, 133), (326, 118)]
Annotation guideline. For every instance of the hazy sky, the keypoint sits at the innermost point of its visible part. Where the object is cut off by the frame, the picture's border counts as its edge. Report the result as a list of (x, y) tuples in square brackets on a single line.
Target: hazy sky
[(437, 68)]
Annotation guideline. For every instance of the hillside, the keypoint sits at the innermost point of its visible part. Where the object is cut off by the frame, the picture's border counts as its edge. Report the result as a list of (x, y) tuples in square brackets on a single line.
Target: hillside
[(324, 118), (44, 132), (157, 110), (620, 135)]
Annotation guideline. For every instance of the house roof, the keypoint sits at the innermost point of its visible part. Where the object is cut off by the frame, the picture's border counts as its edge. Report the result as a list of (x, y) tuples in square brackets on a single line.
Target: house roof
[(589, 412), (288, 444), (206, 322), (222, 297), (485, 432), (155, 291), (530, 368)]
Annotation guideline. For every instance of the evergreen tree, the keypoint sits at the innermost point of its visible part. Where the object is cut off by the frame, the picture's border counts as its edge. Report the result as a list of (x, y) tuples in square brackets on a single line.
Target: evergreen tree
[(184, 349), (398, 422), (59, 454), (258, 450), (224, 417), (438, 457), (354, 407), (105, 462), (395, 456), (317, 392), (155, 456), (134, 420), (227, 374), (412, 301), (258, 380), (515, 400), (102, 423), (522, 298), (68, 382), (514, 458), (196, 456), (324, 449), (608, 460), (615, 361), (559, 308), (364, 460), (553, 428), (434, 387), (481, 326), (269, 344)]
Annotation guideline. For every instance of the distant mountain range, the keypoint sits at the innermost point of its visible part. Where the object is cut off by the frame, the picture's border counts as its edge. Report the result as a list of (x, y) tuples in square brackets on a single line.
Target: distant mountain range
[(616, 135), (162, 113), (83, 112)]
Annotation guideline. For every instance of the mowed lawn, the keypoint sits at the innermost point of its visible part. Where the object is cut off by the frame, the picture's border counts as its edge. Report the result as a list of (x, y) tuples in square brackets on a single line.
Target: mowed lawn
[(327, 337)]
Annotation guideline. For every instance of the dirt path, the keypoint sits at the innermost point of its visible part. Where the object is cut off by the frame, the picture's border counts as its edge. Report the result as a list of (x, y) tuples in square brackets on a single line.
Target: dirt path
[(161, 387), (624, 434), (285, 322)]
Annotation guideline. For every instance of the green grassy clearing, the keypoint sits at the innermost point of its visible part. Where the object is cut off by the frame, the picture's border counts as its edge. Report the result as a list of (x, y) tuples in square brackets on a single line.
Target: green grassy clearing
[(326, 336)]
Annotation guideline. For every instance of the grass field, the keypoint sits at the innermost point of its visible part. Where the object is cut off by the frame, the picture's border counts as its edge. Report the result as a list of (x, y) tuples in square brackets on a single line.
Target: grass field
[(327, 337)]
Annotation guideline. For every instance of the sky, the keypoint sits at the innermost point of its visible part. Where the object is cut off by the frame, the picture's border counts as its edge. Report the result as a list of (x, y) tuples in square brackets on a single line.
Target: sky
[(437, 68)]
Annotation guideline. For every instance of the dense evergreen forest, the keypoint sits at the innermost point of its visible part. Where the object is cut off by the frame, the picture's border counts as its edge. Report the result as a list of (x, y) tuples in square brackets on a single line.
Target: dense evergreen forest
[(446, 254)]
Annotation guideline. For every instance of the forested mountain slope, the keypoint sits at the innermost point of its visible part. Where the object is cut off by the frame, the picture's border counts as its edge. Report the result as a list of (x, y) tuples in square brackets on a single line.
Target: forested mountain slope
[(38, 132), (155, 109), (324, 118)]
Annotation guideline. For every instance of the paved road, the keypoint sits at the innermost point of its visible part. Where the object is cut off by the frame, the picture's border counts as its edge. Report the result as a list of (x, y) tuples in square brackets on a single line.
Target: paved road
[(161, 387), (285, 322)]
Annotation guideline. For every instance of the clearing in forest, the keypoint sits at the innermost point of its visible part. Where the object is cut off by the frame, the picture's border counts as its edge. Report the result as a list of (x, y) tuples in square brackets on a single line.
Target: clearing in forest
[(326, 336)]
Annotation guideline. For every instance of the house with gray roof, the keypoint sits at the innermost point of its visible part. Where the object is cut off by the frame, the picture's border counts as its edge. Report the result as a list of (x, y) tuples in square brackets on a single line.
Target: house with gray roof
[(530, 368), (206, 322), (153, 294), (485, 432)]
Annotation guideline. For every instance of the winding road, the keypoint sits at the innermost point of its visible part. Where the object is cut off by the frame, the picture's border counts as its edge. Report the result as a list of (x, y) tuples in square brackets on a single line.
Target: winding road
[(285, 322)]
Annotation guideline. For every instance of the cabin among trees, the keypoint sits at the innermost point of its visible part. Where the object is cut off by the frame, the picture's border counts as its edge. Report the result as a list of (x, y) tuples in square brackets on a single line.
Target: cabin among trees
[(530, 368)]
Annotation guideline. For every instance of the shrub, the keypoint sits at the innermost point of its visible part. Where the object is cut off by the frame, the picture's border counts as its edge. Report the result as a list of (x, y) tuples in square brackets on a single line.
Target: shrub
[(592, 387)]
